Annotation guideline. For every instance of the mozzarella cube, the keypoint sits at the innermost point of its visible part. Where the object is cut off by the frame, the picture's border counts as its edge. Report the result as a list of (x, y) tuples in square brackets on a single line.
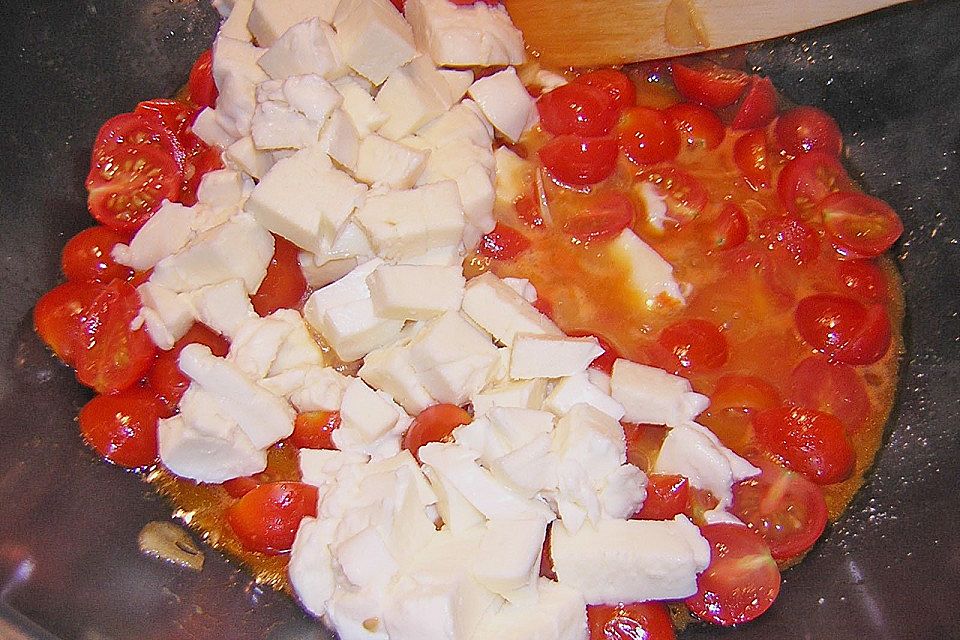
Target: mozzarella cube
[(509, 555), (359, 105), (340, 140), (322, 390), (577, 389), (652, 396), (276, 125), (514, 176), (207, 127), (354, 329), (389, 163), (547, 356), (389, 369), (270, 19), (558, 613), (650, 275), (168, 314), (312, 96), (458, 80), (244, 156), (198, 455), (165, 233), (414, 292), (501, 311), (412, 96), (366, 412), (224, 188), (464, 122), (311, 570), (466, 164), (374, 38), (522, 394), (349, 288), (237, 15), (505, 102), (465, 36), (308, 47), (223, 307)]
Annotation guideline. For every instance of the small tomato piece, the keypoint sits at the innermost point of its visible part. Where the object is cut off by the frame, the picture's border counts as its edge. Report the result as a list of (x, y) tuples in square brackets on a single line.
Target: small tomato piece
[(58, 318), (314, 429), (750, 156), (709, 84), (605, 219), (758, 107), (434, 424), (843, 328), (576, 161), (693, 345), (667, 496), (806, 180), (647, 137), (201, 88), (87, 256), (859, 226), (805, 129), (616, 83), (578, 109), (266, 518), (807, 441), (635, 621), (284, 286), (697, 125), (123, 427), (503, 243)]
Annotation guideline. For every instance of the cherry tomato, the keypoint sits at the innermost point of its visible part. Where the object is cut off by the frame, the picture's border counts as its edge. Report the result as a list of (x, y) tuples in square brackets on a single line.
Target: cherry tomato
[(579, 161), (643, 443), (545, 307), (266, 519), (685, 195), (743, 393), (667, 496), (750, 156), (697, 125), (806, 180), (135, 166), (199, 164), (729, 229), (86, 256), (612, 213), (786, 509), (578, 109), (695, 345), (647, 137), (503, 243), (843, 328), (463, 3), (165, 377), (603, 362), (434, 424), (201, 88), (858, 225), (637, 621), (528, 211), (616, 83), (399, 4), (239, 487), (115, 356), (58, 318), (862, 278), (790, 240), (708, 84), (123, 427), (807, 441), (805, 129), (742, 580), (284, 285), (175, 118), (758, 107), (831, 387), (314, 429)]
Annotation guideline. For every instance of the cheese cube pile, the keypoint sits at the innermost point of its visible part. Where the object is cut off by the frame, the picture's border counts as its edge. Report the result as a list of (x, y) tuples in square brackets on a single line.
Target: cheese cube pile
[(363, 138)]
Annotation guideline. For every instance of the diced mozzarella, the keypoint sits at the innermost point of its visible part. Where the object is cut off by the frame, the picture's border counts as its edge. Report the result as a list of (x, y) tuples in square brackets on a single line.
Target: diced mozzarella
[(236, 74), (577, 389), (523, 394), (462, 123), (649, 274), (322, 390), (207, 127), (654, 203), (319, 467), (276, 125), (223, 307), (359, 105), (270, 19), (235, 25), (349, 288), (459, 80), (522, 286), (312, 96), (465, 36), (415, 292), (165, 233), (503, 312), (653, 396), (354, 329), (167, 314), (558, 613), (505, 102), (366, 412), (198, 455), (306, 48), (548, 356), (340, 140), (374, 38), (389, 369), (412, 96), (469, 166), (224, 188), (244, 156), (514, 176), (548, 80), (389, 163), (630, 560), (321, 270), (508, 558), (311, 564)]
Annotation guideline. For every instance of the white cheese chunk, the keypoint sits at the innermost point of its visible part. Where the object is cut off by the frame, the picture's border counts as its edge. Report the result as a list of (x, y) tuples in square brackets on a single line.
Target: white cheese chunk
[(415, 292), (505, 102), (224, 188), (458, 80), (503, 312), (194, 454), (236, 74), (630, 560), (165, 233), (270, 19), (389, 163), (522, 394), (237, 14), (312, 96), (276, 125), (366, 412), (653, 396), (167, 314), (650, 275), (470, 166), (465, 36), (308, 47), (243, 155), (374, 38), (224, 307), (354, 329), (207, 127), (548, 356), (312, 388), (412, 96), (577, 389), (359, 105), (464, 122), (389, 369), (311, 569), (340, 140), (508, 559), (514, 176), (558, 613)]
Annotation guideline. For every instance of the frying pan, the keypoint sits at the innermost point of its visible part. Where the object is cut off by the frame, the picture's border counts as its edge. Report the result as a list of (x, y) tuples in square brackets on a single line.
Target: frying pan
[(69, 566)]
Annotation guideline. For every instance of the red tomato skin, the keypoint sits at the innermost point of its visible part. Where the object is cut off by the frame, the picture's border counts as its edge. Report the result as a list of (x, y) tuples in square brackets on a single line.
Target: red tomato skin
[(843, 328), (729, 229), (807, 179), (758, 107), (528, 211), (122, 427), (434, 424), (750, 156), (742, 580), (694, 345), (239, 487), (284, 286), (86, 256), (807, 441), (859, 226), (165, 377), (862, 278), (805, 129), (200, 87), (265, 519), (314, 429), (58, 318), (115, 357), (503, 243), (697, 125), (647, 137), (710, 85), (790, 240), (667, 497), (199, 164), (576, 161), (577, 109), (643, 443), (616, 83), (636, 621), (611, 214), (831, 387), (746, 393)]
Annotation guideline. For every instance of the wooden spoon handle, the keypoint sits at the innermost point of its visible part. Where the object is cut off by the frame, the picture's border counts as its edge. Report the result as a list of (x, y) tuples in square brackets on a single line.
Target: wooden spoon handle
[(602, 32)]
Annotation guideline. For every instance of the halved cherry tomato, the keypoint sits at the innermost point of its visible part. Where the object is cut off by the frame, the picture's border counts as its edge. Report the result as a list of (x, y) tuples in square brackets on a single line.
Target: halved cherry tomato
[(314, 429), (729, 229), (667, 496), (643, 443), (612, 213), (807, 441), (790, 240), (284, 285), (786, 509), (86, 256), (832, 387), (742, 580), (201, 89), (694, 344), (859, 226), (464, 3), (616, 83), (647, 137), (266, 519), (743, 393), (434, 424), (579, 109), (116, 356), (758, 107), (751, 157), (697, 125), (174, 117), (199, 164), (709, 84), (165, 377), (135, 166), (399, 4), (123, 427), (528, 211), (579, 161), (806, 180), (603, 362), (637, 621), (58, 318), (843, 328), (503, 243), (805, 129), (239, 487), (685, 195), (863, 278)]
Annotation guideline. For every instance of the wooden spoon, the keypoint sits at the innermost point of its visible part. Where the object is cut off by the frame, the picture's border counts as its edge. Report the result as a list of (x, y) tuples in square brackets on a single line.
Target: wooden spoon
[(579, 33)]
